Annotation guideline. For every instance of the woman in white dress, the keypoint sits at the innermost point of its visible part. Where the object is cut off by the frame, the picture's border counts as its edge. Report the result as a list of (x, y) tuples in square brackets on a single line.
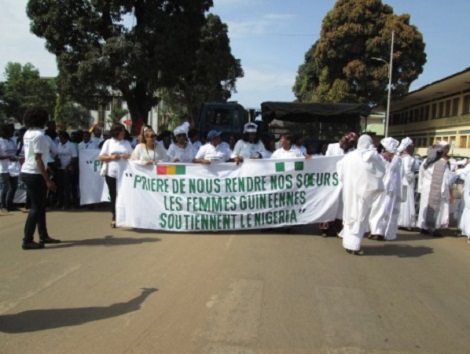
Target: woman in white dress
[(115, 152), (181, 150), (407, 218), (434, 186), (149, 152), (250, 145)]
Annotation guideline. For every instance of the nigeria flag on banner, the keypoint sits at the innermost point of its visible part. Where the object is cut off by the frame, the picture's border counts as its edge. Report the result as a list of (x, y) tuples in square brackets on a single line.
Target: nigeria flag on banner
[(289, 166)]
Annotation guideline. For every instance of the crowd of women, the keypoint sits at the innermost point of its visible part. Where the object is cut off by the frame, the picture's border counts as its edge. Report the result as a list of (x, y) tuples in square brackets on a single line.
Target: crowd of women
[(378, 179)]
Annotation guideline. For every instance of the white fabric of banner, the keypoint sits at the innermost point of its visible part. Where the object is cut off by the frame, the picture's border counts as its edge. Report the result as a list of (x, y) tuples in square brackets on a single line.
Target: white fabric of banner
[(93, 188), (256, 194)]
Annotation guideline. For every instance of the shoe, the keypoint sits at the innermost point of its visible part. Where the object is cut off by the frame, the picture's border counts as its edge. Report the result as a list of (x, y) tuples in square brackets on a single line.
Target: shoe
[(113, 224), (324, 234), (354, 253), (50, 240), (376, 237), (32, 246)]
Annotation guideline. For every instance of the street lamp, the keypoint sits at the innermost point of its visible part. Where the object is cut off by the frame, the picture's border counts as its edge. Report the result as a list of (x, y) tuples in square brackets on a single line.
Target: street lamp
[(390, 65)]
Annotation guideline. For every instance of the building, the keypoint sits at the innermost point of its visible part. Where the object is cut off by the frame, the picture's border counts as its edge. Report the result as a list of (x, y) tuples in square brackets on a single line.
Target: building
[(435, 112)]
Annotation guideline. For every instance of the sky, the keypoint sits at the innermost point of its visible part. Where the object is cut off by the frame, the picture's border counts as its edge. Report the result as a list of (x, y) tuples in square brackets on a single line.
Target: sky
[(271, 37)]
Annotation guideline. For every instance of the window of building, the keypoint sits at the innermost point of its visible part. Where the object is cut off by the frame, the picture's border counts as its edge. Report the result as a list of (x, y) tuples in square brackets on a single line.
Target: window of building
[(455, 107), (426, 113), (466, 104), (434, 111), (440, 112), (447, 108), (463, 141)]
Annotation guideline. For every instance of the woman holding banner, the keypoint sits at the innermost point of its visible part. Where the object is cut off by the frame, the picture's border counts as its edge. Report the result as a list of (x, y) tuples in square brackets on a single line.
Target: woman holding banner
[(115, 152), (149, 152), (287, 150), (181, 150)]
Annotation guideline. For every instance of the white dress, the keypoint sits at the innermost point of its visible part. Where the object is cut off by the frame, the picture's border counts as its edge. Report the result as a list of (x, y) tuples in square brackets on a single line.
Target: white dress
[(185, 154), (424, 186), (386, 208), (361, 175), (407, 216), (464, 223)]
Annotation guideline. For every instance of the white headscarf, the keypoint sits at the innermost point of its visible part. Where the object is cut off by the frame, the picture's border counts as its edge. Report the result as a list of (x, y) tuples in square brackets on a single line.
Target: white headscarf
[(405, 142), (390, 144), (365, 147), (182, 129)]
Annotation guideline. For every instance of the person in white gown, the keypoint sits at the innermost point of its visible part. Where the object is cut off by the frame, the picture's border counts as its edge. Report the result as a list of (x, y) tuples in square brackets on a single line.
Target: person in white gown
[(346, 144), (361, 174), (181, 150), (464, 223), (434, 187), (250, 145), (386, 208), (407, 218)]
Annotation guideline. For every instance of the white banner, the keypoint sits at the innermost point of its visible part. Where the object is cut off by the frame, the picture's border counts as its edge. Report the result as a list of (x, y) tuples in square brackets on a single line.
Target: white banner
[(253, 195), (93, 188)]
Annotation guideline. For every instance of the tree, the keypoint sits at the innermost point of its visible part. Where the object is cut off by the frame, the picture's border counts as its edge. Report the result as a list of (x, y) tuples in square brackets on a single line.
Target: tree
[(307, 78), (355, 32), (116, 115), (24, 88), (132, 46), (214, 72), (76, 116)]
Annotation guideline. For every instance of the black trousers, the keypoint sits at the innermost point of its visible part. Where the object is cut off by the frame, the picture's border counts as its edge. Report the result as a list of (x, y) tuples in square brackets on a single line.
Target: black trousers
[(10, 184), (36, 190), (112, 187)]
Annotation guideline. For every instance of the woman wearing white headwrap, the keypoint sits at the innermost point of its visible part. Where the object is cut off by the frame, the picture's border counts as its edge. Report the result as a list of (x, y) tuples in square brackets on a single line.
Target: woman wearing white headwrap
[(361, 174), (434, 186), (181, 150), (386, 208), (407, 218)]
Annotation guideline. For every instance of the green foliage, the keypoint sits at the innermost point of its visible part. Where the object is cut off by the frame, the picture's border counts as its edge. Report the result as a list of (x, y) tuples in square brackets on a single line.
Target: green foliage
[(116, 114), (307, 78), (132, 46), (24, 88), (213, 74), (353, 33)]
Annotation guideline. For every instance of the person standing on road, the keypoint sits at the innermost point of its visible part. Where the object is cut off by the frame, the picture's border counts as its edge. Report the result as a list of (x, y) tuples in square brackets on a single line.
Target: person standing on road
[(36, 178), (8, 168), (407, 218), (434, 186), (115, 152), (386, 208), (361, 174)]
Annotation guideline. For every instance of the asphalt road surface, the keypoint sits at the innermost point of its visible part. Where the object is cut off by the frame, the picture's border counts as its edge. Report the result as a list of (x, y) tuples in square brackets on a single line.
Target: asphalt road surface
[(109, 290)]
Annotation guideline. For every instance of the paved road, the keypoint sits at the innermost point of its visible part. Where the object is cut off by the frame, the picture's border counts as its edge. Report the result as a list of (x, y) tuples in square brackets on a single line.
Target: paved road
[(136, 291)]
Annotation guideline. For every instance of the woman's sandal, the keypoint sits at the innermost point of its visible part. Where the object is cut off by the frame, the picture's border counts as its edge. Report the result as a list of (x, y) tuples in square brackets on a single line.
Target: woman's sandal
[(113, 224)]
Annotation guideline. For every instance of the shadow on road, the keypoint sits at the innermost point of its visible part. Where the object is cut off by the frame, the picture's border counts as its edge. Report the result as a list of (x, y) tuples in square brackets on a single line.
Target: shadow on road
[(107, 241), (38, 320), (397, 250)]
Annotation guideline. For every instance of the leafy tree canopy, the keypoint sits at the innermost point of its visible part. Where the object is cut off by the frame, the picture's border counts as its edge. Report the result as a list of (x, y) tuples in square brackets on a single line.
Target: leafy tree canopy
[(355, 32), (213, 73), (131, 46), (24, 88)]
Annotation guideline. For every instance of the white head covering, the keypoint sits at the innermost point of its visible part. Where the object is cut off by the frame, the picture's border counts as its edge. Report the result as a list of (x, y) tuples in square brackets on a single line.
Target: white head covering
[(442, 143), (365, 147), (250, 128), (390, 144), (405, 142), (182, 129)]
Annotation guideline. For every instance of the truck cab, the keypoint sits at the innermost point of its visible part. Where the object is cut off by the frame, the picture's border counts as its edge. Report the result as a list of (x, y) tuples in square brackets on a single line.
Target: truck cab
[(227, 117)]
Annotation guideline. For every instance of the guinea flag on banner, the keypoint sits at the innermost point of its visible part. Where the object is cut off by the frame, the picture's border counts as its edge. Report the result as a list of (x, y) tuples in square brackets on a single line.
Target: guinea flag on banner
[(171, 170), (289, 166)]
